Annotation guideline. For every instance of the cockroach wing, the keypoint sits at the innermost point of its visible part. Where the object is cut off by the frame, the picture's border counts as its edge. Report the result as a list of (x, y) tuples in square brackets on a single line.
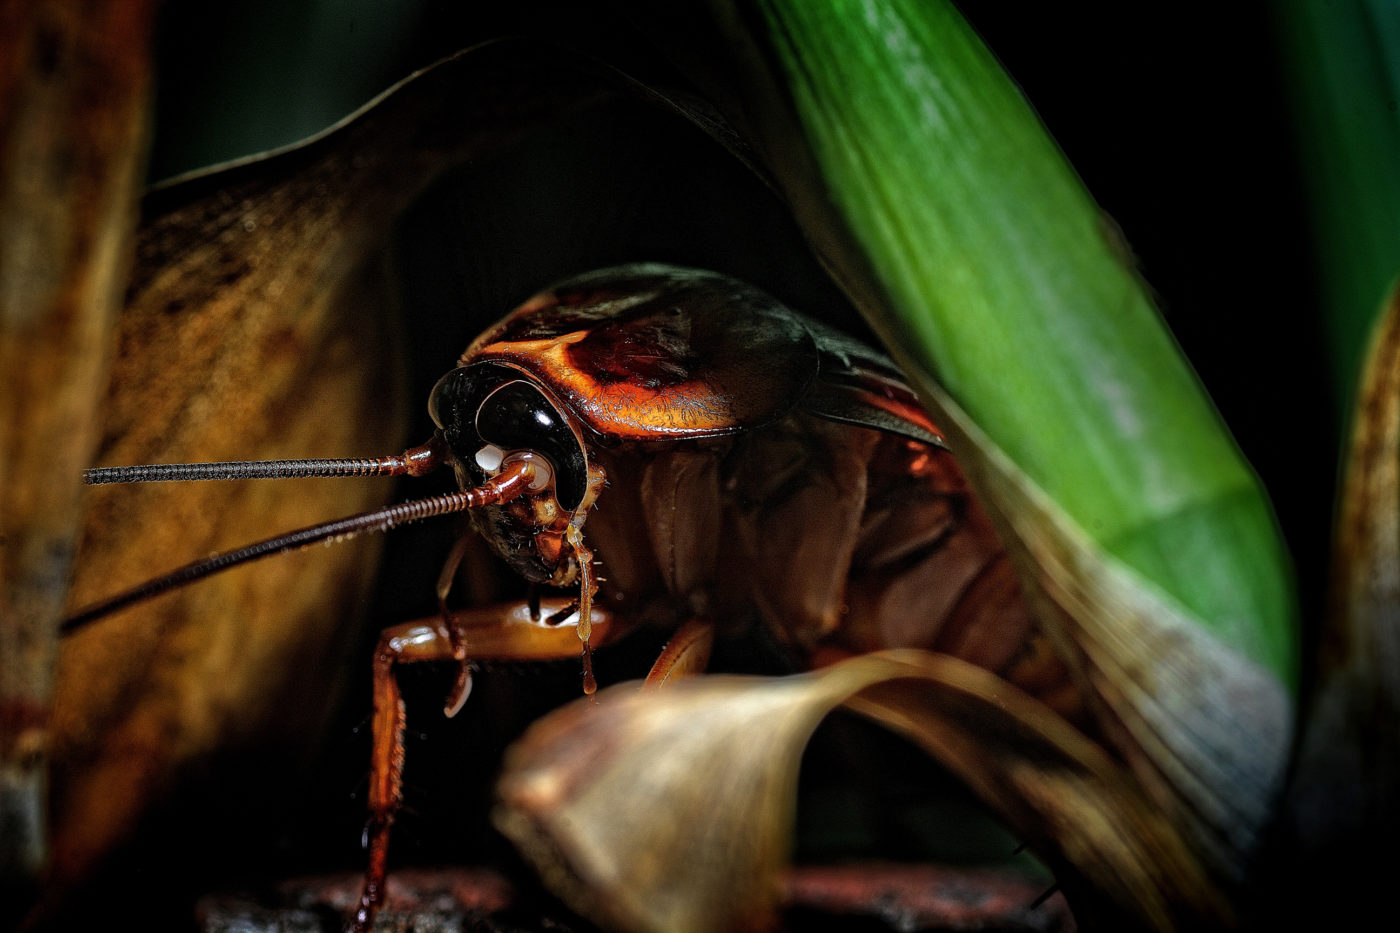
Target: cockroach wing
[(648, 351), (856, 385)]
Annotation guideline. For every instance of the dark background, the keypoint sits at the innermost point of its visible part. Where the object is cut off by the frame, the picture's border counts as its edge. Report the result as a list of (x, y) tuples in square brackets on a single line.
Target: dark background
[(1179, 125)]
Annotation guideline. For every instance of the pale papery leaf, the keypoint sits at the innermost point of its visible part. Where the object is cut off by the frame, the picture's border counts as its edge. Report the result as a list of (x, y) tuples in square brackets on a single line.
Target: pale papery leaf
[(673, 810)]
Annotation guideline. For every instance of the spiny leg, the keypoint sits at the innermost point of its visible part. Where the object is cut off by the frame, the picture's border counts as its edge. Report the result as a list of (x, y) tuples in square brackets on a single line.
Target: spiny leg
[(500, 632), (402, 643)]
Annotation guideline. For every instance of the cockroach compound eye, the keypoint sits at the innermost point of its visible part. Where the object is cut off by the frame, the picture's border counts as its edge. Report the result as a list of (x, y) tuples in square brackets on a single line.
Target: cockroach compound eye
[(488, 411)]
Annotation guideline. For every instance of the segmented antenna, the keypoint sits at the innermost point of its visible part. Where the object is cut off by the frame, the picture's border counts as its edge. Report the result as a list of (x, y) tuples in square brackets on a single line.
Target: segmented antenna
[(241, 469), (339, 530), (515, 480), (415, 461)]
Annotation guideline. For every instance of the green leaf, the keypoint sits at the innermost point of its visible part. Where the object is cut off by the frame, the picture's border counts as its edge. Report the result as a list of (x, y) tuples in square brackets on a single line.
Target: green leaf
[(1343, 64), (1002, 279), (1146, 544)]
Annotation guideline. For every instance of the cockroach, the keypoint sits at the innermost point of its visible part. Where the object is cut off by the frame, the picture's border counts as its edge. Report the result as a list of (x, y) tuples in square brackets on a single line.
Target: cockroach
[(756, 467)]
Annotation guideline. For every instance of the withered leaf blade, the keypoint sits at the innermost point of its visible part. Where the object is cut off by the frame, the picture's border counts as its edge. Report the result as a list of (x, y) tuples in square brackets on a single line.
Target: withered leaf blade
[(258, 324), (673, 810), (74, 95)]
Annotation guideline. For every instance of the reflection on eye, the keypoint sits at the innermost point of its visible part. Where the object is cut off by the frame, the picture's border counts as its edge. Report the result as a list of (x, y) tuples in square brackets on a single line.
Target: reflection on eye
[(489, 458)]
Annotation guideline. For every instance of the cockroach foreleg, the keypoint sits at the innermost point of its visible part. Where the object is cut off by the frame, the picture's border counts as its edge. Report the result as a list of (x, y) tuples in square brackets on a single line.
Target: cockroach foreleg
[(462, 686), (688, 652), (501, 632), (402, 643)]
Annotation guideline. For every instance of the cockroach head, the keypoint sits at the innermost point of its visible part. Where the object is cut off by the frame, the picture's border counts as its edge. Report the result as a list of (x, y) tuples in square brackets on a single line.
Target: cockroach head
[(489, 412)]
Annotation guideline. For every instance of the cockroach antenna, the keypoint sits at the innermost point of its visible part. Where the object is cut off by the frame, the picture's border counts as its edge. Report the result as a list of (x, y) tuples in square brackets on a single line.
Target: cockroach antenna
[(415, 461)]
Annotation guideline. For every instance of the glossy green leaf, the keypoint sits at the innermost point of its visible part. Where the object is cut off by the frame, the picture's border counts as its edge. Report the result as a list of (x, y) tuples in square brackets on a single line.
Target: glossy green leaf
[(1342, 61), (1005, 283)]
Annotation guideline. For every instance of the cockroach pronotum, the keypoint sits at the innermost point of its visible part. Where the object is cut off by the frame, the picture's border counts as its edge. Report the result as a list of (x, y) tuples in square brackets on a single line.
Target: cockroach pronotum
[(757, 467)]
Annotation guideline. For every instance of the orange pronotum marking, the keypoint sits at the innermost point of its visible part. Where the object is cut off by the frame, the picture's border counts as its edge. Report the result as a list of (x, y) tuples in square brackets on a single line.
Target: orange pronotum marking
[(619, 408)]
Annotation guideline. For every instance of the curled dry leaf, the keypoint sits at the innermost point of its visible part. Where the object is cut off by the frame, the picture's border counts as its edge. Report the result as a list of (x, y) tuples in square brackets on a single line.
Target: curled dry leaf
[(673, 810)]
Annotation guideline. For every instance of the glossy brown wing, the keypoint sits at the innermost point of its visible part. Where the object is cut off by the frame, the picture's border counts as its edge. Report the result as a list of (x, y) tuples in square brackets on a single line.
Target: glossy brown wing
[(646, 352), (860, 386)]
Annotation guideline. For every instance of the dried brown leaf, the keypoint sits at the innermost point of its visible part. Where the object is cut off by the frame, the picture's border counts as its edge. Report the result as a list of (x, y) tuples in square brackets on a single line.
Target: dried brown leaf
[(257, 324), (74, 89), (674, 810)]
